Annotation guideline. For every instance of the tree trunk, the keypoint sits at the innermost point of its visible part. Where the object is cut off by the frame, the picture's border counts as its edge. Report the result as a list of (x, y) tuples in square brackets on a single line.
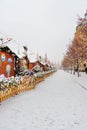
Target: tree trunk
[(78, 70), (74, 71)]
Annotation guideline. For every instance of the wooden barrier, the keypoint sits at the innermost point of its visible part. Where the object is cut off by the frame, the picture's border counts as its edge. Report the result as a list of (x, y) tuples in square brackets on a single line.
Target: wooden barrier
[(28, 83)]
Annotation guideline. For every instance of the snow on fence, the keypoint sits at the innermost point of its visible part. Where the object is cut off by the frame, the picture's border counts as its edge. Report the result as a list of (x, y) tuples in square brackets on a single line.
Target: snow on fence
[(15, 85)]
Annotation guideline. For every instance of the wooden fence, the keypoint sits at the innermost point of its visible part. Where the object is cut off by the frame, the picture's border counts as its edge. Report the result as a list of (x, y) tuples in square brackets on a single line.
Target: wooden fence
[(27, 83)]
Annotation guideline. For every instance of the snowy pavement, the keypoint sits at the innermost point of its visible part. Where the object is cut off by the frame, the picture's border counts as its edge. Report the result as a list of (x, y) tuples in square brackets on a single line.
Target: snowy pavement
[(81, 80), (58, 103)]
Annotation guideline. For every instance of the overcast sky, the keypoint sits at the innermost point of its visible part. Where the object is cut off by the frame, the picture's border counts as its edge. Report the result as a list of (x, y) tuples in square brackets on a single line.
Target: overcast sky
[(45, 26)]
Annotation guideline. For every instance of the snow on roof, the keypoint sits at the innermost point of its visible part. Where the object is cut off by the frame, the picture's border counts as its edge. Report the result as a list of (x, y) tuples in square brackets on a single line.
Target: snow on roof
[(32, 58), (43, 63), (19, 50), (14, 47), (42, 60)]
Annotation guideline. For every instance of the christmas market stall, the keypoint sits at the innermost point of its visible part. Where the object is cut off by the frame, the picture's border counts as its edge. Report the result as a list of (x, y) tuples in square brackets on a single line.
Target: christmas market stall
[(18, 73)]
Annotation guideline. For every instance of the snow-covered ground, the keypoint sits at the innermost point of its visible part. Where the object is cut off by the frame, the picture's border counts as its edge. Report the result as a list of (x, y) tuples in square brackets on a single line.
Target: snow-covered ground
[(58, 103), (82, 80)]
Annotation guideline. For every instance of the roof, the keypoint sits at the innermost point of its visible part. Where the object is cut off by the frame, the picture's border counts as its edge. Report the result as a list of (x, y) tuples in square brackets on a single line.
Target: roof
[(14, 47), (32, 58)]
